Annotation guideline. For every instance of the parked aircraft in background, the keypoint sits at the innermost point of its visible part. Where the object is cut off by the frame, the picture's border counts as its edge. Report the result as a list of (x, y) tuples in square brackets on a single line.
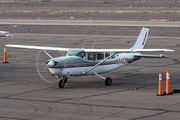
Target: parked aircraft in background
[(5, 34), (80, 62)]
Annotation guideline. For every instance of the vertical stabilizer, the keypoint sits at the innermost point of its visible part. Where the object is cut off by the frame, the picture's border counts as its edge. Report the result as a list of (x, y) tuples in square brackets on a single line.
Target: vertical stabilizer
[(141, 40)]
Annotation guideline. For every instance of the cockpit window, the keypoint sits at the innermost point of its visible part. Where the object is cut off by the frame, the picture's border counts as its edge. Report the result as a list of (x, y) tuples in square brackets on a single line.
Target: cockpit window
[(107, 55), (113, 56), (76, 52)]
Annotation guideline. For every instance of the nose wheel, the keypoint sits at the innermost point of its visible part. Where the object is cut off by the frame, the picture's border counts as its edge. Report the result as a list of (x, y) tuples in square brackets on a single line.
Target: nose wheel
[(62, 82)]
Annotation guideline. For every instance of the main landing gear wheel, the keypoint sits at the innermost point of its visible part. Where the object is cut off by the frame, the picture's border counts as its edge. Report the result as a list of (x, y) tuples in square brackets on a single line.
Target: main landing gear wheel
[(108, 81), (61, 84)]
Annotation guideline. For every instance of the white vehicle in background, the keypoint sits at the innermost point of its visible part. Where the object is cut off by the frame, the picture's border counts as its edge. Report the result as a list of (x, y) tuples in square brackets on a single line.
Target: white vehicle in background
[(5, 34)]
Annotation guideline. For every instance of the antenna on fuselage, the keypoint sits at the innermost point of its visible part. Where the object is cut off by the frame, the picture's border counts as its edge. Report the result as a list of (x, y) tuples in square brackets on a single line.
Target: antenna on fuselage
[(84, 44), (93, 44)]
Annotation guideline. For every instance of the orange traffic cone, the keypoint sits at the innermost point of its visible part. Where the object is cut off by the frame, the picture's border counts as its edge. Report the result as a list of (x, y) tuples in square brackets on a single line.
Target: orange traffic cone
[(5, 58), (168, 83), (160, 85)]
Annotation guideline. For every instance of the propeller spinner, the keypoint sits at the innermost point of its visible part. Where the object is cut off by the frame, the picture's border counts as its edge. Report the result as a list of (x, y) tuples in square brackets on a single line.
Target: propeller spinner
[(50, 64)]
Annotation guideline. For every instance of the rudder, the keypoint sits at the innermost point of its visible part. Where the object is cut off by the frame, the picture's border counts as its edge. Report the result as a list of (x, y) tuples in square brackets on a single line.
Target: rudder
[(141, 40)]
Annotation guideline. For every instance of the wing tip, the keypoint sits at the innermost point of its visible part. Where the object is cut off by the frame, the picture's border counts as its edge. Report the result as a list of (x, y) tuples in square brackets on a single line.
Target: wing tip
[(169, 50)]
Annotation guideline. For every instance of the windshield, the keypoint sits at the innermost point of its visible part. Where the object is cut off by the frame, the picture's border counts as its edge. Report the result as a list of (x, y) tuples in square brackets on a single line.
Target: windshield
[(76, 52)]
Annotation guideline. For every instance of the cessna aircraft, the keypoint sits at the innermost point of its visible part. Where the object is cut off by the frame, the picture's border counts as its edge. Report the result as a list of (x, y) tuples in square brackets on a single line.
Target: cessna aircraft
[(79, 62), (4, 34)]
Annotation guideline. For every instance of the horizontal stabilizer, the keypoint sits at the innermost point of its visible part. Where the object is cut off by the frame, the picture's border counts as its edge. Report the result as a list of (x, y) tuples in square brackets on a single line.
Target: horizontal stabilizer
[(153, 50), (151, 56)]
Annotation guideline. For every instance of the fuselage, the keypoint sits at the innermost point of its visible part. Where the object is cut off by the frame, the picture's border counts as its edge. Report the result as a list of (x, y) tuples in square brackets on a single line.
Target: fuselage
[(77, 64)]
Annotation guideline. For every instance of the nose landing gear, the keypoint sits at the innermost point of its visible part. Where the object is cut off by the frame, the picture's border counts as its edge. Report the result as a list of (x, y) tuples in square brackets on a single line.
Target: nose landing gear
[(62, 82)]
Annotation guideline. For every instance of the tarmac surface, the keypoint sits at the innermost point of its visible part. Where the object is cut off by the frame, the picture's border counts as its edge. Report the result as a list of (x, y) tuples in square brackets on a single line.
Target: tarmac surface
[(90, 27), (24, 95), (91, 23), (119, 10)]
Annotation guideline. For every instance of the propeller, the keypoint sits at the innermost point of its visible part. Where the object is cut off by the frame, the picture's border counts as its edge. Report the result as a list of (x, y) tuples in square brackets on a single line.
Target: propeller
[(42, 67)]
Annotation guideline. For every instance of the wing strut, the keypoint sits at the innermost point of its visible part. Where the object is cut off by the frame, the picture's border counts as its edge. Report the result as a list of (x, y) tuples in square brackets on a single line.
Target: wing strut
[(48, 54), (98, 64)]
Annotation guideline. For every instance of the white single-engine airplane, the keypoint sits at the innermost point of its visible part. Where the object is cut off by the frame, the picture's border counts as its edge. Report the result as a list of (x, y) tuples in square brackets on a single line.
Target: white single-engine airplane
[(79, 62), (4, 34)]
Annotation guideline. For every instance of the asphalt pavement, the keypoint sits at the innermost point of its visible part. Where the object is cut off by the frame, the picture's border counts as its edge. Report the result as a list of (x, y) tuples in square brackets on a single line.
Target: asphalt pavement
[(91, 23), (25, 95)]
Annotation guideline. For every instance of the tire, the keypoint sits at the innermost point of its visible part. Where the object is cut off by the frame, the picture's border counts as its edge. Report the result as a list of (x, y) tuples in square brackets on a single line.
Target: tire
[(108, 81), (61, 84)]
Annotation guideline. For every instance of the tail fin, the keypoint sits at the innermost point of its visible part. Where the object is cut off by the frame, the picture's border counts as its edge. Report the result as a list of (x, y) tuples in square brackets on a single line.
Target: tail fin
[(141, 41)]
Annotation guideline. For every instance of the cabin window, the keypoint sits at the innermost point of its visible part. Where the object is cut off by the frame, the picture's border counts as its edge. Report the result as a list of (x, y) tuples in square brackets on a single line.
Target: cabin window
[(91, 56), (100, 56)]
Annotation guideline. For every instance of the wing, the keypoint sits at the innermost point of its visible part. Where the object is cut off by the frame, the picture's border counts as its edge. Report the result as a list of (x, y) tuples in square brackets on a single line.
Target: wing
[(127, 50), (38, 47), (90, 50)]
